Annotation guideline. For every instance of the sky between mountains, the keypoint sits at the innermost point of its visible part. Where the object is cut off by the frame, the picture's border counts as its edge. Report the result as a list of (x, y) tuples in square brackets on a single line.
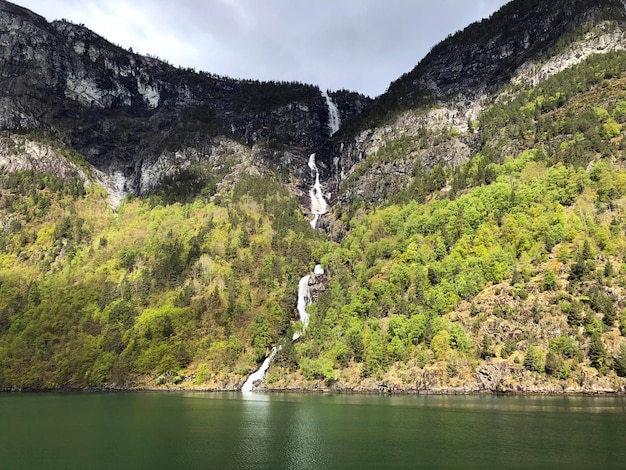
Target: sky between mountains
[(360, 45)]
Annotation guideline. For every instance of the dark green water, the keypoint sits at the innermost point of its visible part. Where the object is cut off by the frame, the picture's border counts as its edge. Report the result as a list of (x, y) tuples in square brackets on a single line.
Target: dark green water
[(230, 431)]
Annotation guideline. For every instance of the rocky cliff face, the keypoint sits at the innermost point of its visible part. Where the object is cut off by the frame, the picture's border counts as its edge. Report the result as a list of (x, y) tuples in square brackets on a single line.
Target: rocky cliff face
[(139, 120), (523, 43), (136, 118), (485, 55)]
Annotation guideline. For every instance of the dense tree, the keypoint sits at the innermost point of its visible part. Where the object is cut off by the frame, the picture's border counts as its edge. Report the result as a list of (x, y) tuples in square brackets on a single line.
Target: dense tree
[(533, 359), (620, 361)]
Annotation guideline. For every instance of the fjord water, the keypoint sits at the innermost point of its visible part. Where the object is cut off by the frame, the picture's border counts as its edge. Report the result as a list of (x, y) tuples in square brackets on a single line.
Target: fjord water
[(290, 431)]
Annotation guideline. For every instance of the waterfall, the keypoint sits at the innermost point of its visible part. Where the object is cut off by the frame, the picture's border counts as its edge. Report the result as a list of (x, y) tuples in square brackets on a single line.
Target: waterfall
[(334, 121), (318, 203), (259, 375), (304, 299), (318, 207)]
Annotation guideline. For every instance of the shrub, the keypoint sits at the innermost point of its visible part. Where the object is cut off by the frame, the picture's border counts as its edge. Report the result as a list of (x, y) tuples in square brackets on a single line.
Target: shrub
[(509, 347), (554, 364)]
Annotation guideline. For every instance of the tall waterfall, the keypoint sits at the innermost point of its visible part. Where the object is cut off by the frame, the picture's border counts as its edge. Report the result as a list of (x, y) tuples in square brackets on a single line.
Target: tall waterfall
[(334, 121), (318, 207), (304, 299), (318, 203)]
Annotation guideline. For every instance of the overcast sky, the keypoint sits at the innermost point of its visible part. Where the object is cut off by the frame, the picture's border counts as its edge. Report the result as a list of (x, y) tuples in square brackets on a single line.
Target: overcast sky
[(360, 45)]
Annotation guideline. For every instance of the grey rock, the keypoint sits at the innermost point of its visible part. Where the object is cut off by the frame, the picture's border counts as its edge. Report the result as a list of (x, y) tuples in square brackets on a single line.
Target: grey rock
[(137, 119)]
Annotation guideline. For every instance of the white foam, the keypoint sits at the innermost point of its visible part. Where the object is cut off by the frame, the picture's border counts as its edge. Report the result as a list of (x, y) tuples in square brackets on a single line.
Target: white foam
[(318, 203), (259, 375), (334, 121)]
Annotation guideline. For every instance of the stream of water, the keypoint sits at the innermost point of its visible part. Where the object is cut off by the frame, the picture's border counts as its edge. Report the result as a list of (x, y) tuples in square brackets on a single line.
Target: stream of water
[(334, 121), (258, 376), (319, 207)]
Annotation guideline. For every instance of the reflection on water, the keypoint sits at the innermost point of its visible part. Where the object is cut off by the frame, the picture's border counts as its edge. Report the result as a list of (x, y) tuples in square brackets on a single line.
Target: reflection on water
[(255, 430), (305, 443), (282, 433), (241, 431)]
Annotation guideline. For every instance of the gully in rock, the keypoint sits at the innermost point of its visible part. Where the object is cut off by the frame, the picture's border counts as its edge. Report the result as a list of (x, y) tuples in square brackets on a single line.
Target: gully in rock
[(318, 207)]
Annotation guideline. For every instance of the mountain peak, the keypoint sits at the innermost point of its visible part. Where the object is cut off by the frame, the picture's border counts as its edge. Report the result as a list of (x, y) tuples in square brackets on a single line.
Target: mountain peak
[(486, 54)]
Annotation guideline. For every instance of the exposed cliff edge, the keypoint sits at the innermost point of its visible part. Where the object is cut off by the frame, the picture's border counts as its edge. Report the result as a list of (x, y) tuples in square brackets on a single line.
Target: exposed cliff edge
[(523, 44), (132, 116)]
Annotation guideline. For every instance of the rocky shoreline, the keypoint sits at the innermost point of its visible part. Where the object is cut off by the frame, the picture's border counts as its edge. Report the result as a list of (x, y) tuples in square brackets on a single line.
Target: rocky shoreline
[(496, 377), (382, 389)]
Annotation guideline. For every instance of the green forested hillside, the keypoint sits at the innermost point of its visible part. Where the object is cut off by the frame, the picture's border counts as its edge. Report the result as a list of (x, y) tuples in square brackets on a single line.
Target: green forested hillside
[(505, 273), (513, 261), (89, 298), (530, 263)]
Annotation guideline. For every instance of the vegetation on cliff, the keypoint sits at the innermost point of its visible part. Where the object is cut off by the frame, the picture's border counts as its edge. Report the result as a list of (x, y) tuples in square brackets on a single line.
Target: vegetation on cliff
[(503, 272), (90, 298), (514, 258)]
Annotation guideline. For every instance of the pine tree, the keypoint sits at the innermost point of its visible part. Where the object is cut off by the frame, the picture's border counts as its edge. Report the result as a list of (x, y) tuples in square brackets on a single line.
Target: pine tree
[(620, 361), (579, 268), (486, 347), (533, 360), (586, 250), (597, 352), (549, 281), (554, 364)]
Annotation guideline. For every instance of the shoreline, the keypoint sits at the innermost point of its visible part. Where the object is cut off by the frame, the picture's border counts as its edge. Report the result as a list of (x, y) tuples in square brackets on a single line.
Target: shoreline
[(329, 391)]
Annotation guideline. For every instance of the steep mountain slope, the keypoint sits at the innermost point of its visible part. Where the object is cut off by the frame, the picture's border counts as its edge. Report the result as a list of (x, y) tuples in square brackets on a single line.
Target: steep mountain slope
[(486, 55), (495, 262), (477, 243), (525, 41), (138, 119), (503, 274)]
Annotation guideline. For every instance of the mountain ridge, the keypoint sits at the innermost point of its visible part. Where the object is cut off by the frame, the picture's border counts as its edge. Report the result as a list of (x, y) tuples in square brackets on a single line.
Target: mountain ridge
[(123, 111), (476, 246), (411, 105)]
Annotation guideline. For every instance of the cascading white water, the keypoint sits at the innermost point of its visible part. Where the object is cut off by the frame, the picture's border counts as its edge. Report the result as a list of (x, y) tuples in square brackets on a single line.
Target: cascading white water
[(334, 121), (259, 375), (304, 299), (318, 203), (318, 207)]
